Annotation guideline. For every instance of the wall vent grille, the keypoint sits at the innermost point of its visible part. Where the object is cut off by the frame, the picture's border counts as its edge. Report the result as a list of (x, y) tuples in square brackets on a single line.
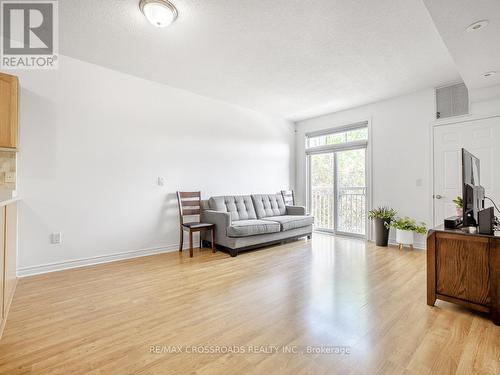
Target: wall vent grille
[(452, 101)]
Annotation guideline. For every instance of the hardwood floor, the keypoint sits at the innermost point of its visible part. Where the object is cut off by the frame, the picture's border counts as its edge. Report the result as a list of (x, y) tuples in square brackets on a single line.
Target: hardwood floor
[(335, 292)]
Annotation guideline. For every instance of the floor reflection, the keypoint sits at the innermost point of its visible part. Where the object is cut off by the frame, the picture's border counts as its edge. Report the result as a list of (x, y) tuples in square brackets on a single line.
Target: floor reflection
[(338, 289)]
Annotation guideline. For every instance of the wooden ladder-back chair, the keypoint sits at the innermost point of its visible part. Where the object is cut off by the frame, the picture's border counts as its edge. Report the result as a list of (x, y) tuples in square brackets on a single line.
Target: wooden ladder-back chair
[(190, 205), (288, 197)]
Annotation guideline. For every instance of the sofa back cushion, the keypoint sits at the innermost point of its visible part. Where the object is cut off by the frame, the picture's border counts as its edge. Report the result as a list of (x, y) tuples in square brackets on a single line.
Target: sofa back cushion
[(268, 205), (239, 206)]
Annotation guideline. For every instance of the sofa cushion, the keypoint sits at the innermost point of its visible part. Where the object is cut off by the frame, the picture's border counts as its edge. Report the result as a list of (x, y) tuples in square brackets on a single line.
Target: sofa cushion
[(244, 228), (240, 206), (289, 222), (268, 205)]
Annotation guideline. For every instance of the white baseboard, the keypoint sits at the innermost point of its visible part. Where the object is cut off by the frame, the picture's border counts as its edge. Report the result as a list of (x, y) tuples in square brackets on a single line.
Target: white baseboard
[(76, 263), (421, 245)]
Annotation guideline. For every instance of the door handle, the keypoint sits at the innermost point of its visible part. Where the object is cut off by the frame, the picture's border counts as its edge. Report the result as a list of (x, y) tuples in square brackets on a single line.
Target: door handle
[(438, 196)]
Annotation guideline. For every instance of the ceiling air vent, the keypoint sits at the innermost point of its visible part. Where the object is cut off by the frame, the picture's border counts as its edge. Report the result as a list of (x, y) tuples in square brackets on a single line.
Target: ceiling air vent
[(452, 101)]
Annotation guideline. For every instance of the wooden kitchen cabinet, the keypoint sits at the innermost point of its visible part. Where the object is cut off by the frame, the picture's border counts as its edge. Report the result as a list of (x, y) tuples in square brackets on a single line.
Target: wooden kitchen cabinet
[(10, 257), (9, 107), (2, 264)]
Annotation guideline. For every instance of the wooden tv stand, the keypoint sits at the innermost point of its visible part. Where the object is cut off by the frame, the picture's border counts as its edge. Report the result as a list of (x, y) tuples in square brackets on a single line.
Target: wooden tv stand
[(464, 268)]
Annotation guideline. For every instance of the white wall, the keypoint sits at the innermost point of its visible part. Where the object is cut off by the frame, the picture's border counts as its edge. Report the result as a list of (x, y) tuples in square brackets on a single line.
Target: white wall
[(401, 148), (485, 101), (400, 151), (93, 142)]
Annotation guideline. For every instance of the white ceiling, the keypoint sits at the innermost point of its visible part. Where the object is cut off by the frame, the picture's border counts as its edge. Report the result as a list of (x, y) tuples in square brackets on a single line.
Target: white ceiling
[(475, 53), (292, 58)]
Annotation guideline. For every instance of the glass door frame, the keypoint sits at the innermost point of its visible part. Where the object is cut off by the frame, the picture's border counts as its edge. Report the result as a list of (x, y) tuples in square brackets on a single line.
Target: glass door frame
[(336, 201), (309, 190), (356, 145)]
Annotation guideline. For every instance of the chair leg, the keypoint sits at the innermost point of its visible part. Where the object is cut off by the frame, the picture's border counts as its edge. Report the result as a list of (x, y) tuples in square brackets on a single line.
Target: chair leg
[(181, 241), (212, 231), (190, 244)]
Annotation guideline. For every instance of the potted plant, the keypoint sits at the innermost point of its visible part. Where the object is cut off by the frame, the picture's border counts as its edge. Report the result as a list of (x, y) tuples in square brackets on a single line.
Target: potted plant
[(405, 227), (459, 203), (382, 217)]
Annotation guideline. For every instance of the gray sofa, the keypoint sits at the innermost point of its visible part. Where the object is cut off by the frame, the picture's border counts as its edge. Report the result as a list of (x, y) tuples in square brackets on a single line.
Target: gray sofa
[(245, 222)]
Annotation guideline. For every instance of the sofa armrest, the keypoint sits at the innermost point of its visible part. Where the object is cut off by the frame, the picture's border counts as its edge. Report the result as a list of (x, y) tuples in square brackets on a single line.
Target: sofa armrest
[(222, 221), (295, 210), (219, 218)]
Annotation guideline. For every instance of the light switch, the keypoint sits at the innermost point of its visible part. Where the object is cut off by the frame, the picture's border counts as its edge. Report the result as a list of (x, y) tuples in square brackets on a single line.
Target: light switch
[(55, 238), (161, 181), (419, 182)]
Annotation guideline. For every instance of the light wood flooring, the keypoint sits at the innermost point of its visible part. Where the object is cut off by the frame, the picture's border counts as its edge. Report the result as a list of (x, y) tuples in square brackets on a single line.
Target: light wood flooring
[(333, 293)]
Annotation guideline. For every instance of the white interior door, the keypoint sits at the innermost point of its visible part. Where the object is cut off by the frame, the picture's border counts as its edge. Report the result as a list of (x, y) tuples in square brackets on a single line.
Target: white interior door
[(480, 137)]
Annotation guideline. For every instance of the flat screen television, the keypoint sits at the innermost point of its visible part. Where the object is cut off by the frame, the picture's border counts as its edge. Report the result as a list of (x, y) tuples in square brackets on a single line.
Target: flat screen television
[(472, 191)]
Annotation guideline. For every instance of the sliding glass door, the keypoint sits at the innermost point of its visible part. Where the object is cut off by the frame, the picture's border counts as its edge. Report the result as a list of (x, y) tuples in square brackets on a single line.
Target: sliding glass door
[(350, 192), (337, 180), (322, 191)]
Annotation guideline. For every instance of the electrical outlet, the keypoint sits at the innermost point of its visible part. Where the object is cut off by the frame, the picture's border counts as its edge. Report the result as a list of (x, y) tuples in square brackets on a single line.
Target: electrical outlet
[(55, 238)]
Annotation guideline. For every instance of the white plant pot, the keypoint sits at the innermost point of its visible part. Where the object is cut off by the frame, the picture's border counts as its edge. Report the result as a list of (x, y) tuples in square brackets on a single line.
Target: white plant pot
[(404, 237)]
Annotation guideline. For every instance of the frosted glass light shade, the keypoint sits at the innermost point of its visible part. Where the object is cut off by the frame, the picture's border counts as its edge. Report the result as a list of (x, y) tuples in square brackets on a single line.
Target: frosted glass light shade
[(159, 13)]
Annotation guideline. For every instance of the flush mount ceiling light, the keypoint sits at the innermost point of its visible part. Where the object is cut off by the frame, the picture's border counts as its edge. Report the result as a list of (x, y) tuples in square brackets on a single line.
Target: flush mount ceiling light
[(160, 13), (489, 74), (477, 25)]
